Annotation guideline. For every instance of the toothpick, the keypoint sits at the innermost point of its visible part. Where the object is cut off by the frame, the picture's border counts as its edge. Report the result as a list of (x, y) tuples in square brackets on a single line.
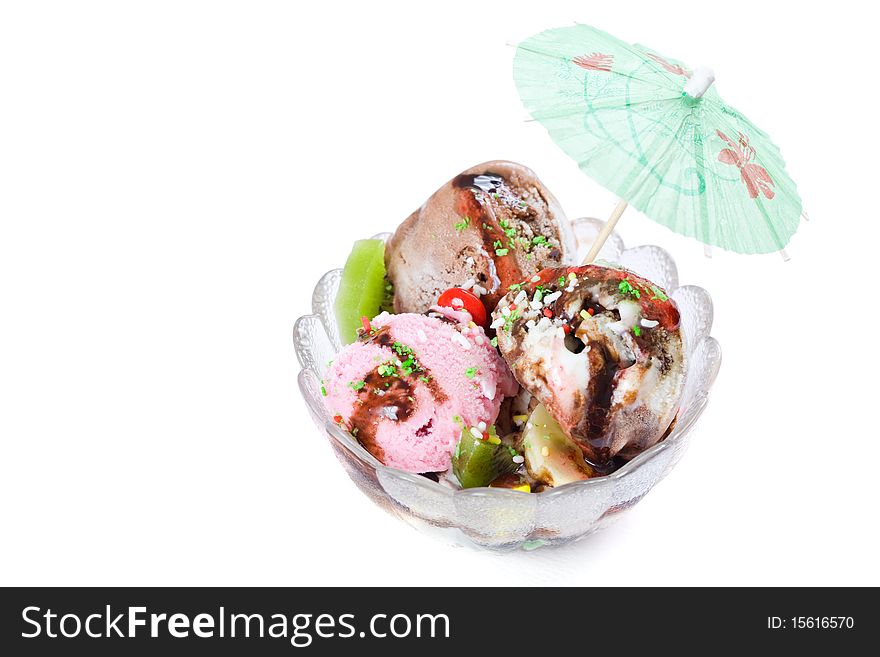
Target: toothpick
[(605, 233)]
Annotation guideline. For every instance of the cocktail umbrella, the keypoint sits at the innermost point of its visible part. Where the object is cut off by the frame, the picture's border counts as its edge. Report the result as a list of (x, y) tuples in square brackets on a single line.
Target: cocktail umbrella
[(659, 136)]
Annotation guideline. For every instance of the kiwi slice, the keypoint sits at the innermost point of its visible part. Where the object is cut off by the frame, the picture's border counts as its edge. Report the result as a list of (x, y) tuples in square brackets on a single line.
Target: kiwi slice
[(362, 288), (478, 462)]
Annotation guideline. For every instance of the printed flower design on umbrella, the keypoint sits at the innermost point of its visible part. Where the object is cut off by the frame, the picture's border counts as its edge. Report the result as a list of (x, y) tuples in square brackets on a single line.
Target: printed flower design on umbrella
[(677, 69), (740, 154), (595, 62)]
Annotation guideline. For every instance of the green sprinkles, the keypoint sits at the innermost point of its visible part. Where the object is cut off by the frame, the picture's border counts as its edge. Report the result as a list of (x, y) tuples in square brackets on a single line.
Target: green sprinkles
[(387, 369), (470, 372), (494, 342), (409, 364), (627, 288), (510, 319), (461, 225), (657, 293), (501, 252), (323, 390), (637, 330), (357, 385)]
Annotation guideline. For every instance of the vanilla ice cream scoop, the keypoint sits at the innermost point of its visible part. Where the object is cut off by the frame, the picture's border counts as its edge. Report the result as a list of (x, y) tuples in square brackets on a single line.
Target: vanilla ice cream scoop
[(602, 350)]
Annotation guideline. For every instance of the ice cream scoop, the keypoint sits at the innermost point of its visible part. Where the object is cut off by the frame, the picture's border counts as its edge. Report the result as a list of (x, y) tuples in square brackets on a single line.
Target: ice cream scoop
[(487, 228), (601, 349), (410, 384)]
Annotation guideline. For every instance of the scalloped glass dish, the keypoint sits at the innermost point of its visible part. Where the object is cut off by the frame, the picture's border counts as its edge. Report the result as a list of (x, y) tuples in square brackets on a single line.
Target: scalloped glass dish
[(500, 519)]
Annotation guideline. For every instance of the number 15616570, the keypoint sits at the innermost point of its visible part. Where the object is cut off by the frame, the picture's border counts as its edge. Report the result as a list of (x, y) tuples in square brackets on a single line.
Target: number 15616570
[(810, 623)]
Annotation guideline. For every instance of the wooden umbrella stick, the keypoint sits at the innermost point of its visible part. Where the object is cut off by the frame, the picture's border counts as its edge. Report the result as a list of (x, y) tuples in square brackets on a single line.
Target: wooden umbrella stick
[(606, 231)]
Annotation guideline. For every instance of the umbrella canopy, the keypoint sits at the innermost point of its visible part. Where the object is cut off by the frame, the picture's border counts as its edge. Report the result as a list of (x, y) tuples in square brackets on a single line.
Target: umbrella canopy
[(657, 134)]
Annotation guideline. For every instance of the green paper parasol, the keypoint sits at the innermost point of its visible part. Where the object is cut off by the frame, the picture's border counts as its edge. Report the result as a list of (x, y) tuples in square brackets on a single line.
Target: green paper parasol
[(659, 136)]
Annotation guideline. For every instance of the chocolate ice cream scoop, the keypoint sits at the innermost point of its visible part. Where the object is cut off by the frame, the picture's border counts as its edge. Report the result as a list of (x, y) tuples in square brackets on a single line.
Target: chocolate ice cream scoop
[(489, 227), (601, 349)]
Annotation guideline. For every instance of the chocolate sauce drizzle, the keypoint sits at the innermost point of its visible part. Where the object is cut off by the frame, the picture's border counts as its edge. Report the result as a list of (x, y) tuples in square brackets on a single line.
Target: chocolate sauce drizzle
[(381, 392), (600, 390), (471, 203), (370, 407)]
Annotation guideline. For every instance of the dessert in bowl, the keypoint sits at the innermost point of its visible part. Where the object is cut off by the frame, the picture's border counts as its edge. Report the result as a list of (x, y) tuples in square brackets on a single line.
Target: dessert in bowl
[(497, 393)]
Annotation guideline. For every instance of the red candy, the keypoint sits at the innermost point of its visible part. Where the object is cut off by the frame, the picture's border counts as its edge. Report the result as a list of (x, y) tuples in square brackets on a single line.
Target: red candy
[(469, 302)]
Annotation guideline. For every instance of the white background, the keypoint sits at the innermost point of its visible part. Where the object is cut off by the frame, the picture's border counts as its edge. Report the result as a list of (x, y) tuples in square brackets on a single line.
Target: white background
[(175, 176)]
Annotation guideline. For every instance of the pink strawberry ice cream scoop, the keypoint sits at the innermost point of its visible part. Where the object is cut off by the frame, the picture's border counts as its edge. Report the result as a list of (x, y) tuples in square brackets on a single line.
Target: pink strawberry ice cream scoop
[(406, 388)]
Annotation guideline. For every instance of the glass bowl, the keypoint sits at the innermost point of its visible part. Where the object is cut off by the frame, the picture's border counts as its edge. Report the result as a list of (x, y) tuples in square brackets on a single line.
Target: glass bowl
[(499, 519)]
